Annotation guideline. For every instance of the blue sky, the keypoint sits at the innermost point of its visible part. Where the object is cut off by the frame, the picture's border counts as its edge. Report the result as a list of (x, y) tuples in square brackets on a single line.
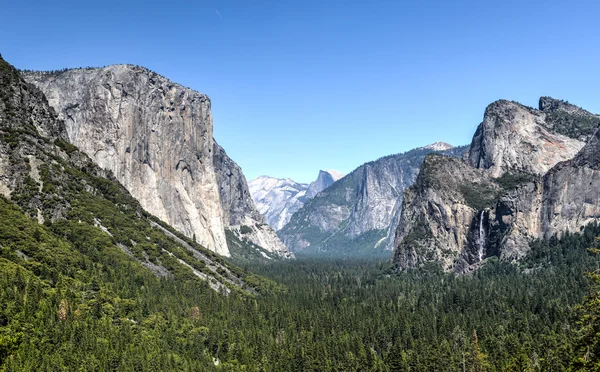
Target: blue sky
[(298, 86)]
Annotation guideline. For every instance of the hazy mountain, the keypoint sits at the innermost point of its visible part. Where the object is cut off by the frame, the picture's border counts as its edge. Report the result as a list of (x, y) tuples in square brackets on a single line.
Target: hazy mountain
[(278, 199), (354, 215)]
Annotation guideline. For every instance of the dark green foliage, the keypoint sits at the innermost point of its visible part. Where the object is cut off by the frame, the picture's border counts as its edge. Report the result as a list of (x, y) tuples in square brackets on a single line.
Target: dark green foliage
[(244, 251), (71, 298), (479, 196), (587, 351), (510, 180), (245, 230), (66, 146), (362, 246), (572, 125)]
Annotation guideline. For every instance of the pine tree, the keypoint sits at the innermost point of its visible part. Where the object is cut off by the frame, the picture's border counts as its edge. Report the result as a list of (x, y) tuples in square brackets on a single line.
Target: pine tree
[(477, 359)]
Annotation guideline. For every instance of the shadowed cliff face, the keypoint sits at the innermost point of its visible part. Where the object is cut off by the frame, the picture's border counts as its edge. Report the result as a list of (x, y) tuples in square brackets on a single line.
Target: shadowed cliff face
[(440, 220), (156, 137), (239, 213), (571, 196), (524, 179), (323, 181)]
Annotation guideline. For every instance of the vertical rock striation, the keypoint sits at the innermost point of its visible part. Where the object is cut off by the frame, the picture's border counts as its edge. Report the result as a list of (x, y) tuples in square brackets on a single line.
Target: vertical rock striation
[(156, 137), (571, 196), (239, 213)]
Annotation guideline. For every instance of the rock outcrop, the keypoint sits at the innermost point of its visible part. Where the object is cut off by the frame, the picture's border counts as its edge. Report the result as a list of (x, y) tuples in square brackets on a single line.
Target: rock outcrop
[(518, 138), (524, 179), (323, 181), (440, 220), (568, 119), (156, 137), (571, 193), (354, 215), (277, 199)]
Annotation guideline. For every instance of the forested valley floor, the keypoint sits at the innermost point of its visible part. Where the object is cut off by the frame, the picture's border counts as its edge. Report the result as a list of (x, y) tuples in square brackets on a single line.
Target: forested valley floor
[(72, 305)]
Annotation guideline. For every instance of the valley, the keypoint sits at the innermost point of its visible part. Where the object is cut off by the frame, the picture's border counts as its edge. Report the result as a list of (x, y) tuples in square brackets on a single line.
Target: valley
[(130, 240)]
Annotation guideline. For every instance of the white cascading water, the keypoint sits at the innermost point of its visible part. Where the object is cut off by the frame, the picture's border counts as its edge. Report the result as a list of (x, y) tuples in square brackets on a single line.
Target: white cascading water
[(481, 240)]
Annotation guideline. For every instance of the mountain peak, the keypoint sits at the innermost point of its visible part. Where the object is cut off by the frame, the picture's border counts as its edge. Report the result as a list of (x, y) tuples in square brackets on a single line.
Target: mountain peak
[(438, 146), (336, 175), (323, 181)]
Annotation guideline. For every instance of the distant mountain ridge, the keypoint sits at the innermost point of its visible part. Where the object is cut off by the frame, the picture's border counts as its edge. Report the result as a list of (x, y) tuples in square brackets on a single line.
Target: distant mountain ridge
[(356, 213), (278, 199)]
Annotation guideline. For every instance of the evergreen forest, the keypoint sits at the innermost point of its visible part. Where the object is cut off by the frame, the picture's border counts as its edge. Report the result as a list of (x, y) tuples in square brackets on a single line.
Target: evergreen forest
[(74, 304)]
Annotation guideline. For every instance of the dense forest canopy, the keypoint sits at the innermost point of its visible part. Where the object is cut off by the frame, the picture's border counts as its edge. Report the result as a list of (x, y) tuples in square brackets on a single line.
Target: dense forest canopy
[(74, 306)]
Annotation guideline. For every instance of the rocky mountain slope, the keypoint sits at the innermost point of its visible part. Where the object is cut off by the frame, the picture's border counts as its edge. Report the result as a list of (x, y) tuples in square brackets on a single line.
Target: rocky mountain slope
[(529, 174), (156, 137), (354, 215), (278, 199), (518, 138), (75, 212)]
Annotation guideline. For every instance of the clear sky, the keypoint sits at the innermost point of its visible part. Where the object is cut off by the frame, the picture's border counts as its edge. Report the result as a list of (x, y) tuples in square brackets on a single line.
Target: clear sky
[(298, 86)]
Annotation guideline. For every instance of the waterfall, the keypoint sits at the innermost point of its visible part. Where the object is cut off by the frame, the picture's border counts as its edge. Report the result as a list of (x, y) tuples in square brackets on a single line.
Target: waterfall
[(481, 240)]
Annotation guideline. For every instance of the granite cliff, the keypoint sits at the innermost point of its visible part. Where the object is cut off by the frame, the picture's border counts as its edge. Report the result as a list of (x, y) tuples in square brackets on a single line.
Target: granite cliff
[(80, 214), (529, 174), (156, 137)]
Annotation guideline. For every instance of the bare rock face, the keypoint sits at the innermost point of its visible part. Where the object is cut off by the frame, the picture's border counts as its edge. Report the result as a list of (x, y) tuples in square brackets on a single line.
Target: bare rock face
[(323, 181), (458, 216), (239, 213), (518, 138), (572, 191), (440, 220), (278, 199), (156, 137), (49, 179), (513, 188), (515, 220)]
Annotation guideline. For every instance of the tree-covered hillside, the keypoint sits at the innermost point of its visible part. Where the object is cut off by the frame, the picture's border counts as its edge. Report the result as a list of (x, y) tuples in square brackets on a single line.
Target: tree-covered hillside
[(74, 301)]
